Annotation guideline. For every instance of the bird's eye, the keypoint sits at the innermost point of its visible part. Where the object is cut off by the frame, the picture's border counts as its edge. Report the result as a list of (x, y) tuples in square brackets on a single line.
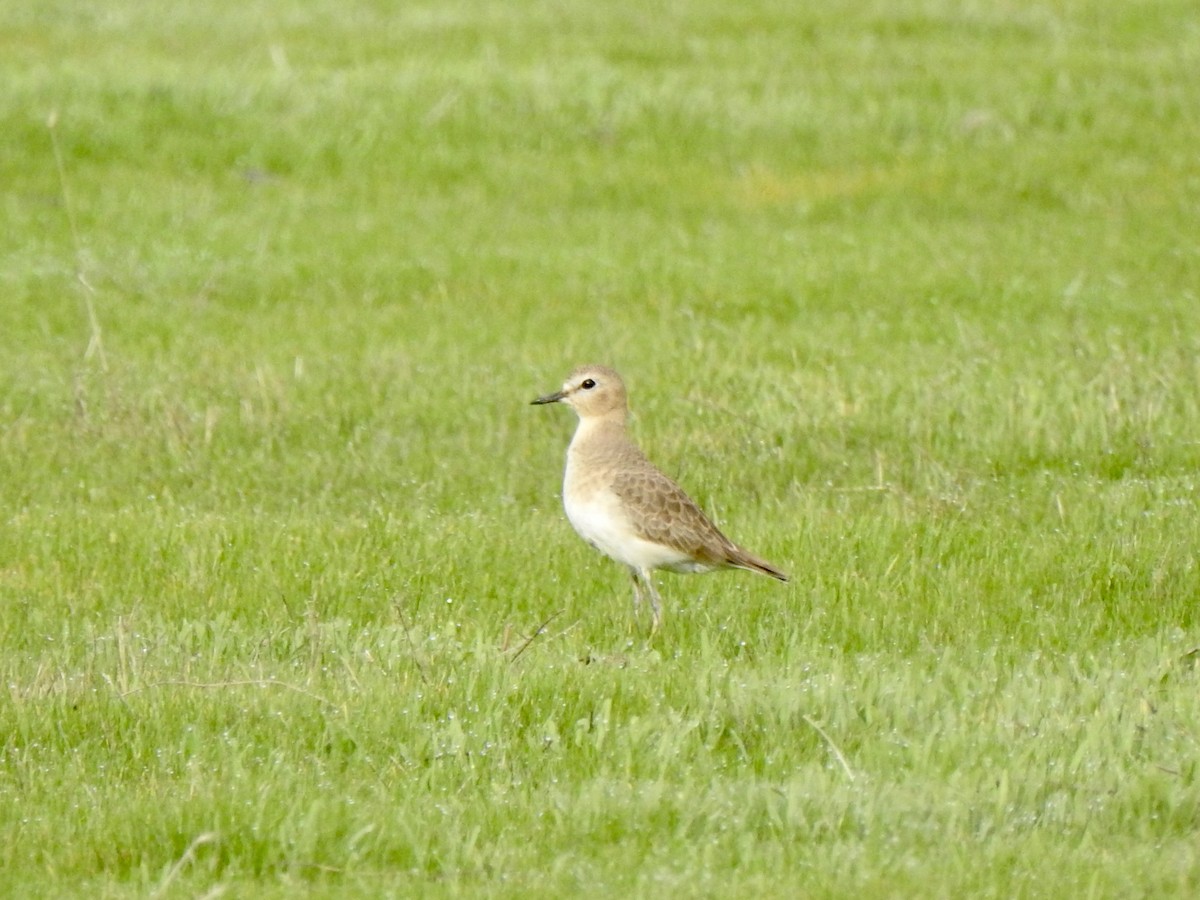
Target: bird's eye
[(588, 384)]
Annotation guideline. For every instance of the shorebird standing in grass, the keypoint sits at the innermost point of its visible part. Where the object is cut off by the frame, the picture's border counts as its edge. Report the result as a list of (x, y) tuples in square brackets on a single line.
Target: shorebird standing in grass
[(626, 508)]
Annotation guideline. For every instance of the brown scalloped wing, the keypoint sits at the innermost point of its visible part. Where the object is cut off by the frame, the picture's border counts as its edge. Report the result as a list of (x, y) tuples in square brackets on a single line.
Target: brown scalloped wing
[(661, 512)]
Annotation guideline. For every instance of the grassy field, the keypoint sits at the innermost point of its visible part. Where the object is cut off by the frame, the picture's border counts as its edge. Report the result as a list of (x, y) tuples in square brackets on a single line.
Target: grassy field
[(907, 295)]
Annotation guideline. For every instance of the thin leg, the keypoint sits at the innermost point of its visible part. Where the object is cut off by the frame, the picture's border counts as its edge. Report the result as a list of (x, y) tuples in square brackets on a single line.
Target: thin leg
[(637, 601), (655, 605)]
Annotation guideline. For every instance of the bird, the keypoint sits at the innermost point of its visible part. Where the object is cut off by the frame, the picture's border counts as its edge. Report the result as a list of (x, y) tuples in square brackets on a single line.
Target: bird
[(624, 506)]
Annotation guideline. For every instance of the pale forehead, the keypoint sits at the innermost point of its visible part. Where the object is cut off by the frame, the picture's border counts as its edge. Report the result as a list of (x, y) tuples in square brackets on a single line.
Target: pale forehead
[(603, 373)]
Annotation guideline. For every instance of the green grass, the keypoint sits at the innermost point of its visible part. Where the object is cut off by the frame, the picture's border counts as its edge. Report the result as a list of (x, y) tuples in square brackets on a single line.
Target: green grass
[(906, 295)]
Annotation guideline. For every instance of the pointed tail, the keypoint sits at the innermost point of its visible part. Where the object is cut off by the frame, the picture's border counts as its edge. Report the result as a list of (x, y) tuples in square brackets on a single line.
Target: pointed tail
[(741, 559)]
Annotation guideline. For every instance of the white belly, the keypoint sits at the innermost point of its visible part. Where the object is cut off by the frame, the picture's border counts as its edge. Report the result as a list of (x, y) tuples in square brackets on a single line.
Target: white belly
[(601, 521)]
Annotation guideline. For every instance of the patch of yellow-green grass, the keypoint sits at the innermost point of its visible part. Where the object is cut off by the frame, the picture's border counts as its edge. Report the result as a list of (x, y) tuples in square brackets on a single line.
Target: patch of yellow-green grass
[(905, 296)]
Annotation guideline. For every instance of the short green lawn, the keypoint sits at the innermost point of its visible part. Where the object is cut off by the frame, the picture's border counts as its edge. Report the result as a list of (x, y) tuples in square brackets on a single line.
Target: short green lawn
[(906, 295)]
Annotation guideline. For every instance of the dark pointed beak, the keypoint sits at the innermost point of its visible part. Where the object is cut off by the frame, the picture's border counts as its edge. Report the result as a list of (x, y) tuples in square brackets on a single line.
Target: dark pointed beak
[(549, 398)]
